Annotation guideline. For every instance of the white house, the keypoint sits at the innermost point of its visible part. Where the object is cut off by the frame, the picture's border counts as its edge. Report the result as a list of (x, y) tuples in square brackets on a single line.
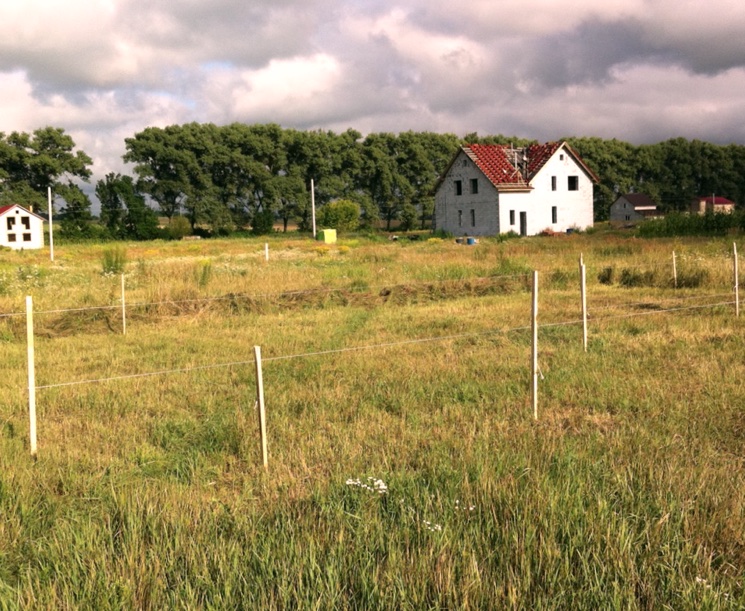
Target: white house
[(489, 189), (20, 228), (633, 207)]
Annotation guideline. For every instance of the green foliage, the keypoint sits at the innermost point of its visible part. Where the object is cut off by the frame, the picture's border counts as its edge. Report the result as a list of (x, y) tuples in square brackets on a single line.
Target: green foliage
[(263, 222), (340, 214), (203, 273), (113, 260), (178, 228), (678, 224), (606, 275)]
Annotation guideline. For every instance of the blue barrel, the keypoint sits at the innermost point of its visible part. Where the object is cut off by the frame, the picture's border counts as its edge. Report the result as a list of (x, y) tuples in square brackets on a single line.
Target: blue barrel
[(470, 241)]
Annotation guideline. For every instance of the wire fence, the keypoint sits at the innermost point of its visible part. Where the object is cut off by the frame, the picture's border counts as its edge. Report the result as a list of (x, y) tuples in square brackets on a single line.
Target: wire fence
[(650, 309), (369, 347)]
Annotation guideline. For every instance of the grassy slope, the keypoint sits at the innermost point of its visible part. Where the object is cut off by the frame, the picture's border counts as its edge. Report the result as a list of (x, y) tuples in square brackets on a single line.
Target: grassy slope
[(627, 493)]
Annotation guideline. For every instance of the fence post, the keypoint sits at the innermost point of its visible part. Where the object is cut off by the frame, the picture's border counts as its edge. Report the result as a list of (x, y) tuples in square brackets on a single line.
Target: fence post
[(583, 291), (31, 374), (675, 272), (737, 282), (534, 350), (124, 310), (266, 251), (260, 405)]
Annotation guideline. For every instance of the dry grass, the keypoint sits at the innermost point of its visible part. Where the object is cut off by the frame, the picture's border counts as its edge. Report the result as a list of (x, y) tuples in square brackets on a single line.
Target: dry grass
[(148, 493)]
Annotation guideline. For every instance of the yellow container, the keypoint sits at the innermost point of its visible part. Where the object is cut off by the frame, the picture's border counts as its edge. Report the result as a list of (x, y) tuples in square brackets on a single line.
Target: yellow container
[(327, 236)]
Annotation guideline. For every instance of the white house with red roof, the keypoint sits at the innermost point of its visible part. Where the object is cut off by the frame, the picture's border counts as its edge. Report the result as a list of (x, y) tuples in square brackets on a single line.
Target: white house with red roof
[(20, 228), (490, 189)]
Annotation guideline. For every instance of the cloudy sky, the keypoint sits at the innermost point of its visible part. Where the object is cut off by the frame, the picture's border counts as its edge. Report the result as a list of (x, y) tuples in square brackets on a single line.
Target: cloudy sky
[(636, 70)]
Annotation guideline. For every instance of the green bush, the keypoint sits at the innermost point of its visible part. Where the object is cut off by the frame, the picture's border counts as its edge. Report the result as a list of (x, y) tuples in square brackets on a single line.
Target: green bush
[(179, 227), (632, 277), (341, 214), (606, 275), (114, 260)]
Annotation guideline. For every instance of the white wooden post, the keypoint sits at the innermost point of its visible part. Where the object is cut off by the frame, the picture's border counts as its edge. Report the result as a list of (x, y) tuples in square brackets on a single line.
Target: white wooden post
[(124, 310), (260, 405), (737, 282), (313, 205), (31, 374), (51, 225), (534, 351), (675, 272), (583, 291), (266, 251)]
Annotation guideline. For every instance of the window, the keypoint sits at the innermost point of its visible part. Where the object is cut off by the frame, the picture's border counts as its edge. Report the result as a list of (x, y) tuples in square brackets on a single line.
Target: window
[(26, 237), (628, 217), (26, 222), (553, 214), (458, 187), (460, 218), (561, 157), (11, 222), (553, 183), (465, 163), (474, 185), (11, 237), (573, 183), (512, 217), (473, 218)]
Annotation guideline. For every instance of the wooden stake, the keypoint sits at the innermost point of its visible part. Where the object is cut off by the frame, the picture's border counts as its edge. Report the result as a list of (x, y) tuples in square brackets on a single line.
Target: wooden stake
[(313, 206), (534, 351), (260, 405), (583, 291), (266, 251), (31, 374), (124, 310), (51, 223), (737, 282), (675, 272)]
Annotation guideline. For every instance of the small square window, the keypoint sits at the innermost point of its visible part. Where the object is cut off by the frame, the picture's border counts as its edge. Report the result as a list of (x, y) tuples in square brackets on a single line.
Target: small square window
[(26, 237), (11, 237), (458, 187), (561, 156), (11, 222), (554, 214), (474, 185), (573, 183), (26, 222), (512, 217), (553, 183)]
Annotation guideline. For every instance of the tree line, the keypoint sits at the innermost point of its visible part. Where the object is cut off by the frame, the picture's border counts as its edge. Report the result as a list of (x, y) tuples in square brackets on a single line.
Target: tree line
[(222, 178)]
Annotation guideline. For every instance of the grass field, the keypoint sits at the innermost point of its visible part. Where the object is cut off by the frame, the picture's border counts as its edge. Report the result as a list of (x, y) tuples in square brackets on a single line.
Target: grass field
[(403, 473)]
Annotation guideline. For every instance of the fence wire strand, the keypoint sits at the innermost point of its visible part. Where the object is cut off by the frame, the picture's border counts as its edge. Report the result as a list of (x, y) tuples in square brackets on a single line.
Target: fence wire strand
[(375, 346)]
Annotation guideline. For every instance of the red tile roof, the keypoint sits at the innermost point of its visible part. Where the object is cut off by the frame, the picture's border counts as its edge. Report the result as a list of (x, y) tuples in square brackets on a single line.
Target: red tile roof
[(501, 164), (4, 209), (539, 154), (493, 161)]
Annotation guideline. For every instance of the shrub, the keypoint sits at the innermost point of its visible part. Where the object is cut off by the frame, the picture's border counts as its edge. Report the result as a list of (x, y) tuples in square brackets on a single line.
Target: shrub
[(340, 214), (632, 277), (263, 222), (203, 273), (606, 275), (114, 260), (178, 228)]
